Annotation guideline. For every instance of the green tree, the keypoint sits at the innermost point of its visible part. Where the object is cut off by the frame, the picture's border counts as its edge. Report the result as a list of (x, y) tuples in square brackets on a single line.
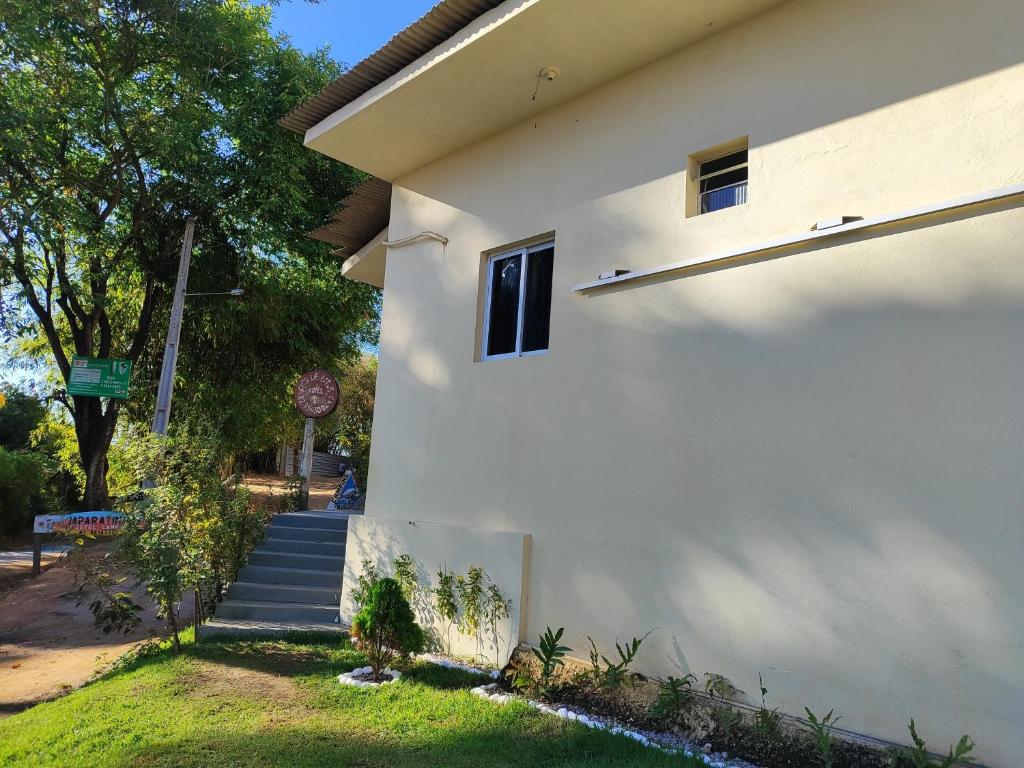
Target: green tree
[(354, 417), (118, 119), (20, 413)]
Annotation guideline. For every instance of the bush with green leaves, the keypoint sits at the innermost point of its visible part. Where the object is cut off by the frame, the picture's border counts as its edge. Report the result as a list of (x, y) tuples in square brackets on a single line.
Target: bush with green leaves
[(21, 481), (767, 721), (719, 686), (368, 576), (471, 596), (497, 608), (551, 656), (674, 695), (385, 628), (190, 531), (446, 602), (821, 730), (405, 575), (615, 674), (920, 758)]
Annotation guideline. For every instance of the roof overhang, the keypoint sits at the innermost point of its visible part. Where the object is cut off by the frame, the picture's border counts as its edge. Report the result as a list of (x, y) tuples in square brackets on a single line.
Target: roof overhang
[(367, 264), (360, 216), (485, 76)]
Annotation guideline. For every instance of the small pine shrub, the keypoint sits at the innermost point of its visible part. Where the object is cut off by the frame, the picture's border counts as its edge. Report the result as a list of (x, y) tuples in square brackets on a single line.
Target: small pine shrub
[(385, 628)]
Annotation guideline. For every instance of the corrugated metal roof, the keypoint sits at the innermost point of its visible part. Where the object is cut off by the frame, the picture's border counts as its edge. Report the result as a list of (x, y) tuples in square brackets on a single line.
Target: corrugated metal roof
[(362, 216), (439, 24)]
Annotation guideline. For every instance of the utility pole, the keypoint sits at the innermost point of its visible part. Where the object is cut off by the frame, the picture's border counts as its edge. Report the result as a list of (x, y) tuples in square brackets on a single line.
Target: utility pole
[(163, 396)]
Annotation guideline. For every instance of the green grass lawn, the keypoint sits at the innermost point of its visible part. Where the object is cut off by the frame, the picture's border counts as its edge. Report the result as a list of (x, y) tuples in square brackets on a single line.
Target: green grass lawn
[(276, 703)]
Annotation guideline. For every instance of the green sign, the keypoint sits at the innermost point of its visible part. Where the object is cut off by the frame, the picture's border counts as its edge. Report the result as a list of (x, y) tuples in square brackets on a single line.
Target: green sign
[(97, 377)]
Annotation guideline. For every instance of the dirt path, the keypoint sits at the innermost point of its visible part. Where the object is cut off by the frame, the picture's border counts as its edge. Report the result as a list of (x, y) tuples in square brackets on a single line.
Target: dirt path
[(48, 645), (273, 489)]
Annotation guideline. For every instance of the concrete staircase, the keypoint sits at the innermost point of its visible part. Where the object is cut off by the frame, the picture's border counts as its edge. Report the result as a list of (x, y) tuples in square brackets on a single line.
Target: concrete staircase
[(292, 581)]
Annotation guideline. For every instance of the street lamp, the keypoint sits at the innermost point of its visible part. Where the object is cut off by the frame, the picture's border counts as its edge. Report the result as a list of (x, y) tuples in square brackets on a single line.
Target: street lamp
[(166, 389)]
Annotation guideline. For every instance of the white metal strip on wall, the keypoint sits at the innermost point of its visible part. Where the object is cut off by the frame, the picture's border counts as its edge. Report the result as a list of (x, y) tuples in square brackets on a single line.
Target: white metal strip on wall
[(808, 237)]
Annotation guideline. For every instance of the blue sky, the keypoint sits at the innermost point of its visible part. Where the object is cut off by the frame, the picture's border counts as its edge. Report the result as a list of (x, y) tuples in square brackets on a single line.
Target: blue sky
[(352, 28)]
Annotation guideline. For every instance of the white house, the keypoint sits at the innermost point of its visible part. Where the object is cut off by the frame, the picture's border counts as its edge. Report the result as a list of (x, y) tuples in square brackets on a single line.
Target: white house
[(708, 316)]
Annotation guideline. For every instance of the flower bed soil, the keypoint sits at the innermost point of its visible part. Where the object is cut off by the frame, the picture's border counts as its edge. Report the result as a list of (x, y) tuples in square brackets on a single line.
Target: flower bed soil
[(696, 726)]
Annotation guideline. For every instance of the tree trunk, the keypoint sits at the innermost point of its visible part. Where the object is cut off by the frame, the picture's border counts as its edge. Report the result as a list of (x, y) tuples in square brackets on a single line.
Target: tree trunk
[(172, 620), (94, 429)]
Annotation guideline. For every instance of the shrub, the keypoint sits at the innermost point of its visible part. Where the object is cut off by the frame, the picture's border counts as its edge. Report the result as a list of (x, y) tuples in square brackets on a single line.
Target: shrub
[(21, 480), (674, 695), (766, 721), (919, 757), (385, 628), (471, 595), (822, 732), (445, 601), (405, 575), (551, 657), (497, 608), (368, 576), (615, 675), (719, 686)]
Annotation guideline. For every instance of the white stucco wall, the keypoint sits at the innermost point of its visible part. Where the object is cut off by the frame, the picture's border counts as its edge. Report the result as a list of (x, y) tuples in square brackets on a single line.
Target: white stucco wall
[(808, 466), (435, 546)]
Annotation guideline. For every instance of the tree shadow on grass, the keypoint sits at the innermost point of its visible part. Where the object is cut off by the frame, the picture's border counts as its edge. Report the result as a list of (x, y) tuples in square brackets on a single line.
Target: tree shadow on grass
[(555, 744)]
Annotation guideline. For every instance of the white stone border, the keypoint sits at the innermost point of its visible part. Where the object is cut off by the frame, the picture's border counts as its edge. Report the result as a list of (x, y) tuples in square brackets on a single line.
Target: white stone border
[(487, 692), (352, 678)]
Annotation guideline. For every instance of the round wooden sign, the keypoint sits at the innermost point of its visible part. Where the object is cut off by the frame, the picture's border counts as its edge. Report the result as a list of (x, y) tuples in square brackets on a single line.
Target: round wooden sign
[(316, 394)]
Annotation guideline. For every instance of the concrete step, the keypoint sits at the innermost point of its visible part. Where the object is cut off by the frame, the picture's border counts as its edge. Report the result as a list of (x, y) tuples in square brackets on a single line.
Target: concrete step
[(305, 534), (303, 577), (260, 556), (300, 546), (337, 521), (243, 628), (265, 610), (284, 593)]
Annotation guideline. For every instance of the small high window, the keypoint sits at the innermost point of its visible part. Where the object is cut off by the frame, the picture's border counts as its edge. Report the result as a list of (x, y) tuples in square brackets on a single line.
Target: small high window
[(722, 181), (517, 312)]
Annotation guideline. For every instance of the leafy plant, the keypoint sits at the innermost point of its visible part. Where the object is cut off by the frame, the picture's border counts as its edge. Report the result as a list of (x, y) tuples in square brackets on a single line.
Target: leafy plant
[(405, 575), (292, 499), (550, 655), (919, 757), (719, 686), (445, 601), (727, 720), (368, 577), (766, 721), (497, 608), (385, 627), (822, 731), (471, 595), (674, 695), (615, 674)]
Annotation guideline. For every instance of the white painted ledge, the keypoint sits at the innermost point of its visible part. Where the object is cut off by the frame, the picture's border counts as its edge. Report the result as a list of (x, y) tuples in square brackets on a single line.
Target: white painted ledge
[(802, 238)]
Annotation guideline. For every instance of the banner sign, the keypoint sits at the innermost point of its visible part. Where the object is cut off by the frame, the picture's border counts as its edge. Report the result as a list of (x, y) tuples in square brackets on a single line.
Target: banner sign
[(95, 523), (99, 377)]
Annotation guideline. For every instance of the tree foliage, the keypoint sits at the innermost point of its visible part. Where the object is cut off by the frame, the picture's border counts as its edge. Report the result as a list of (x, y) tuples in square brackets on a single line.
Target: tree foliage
[(118, 119), (385, 627), (20, 414), (353, 420)]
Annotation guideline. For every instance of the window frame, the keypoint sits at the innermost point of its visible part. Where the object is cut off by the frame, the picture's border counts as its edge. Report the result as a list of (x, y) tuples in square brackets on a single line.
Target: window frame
[(700, 177), (523, 253)]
